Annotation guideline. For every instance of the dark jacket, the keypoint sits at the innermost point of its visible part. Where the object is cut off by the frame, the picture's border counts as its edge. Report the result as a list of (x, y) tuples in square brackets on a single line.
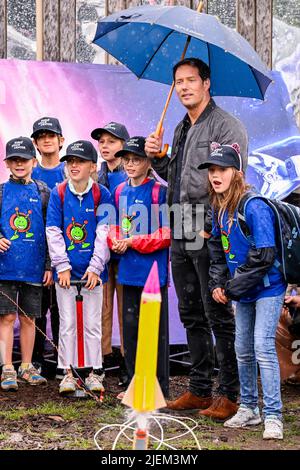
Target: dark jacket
[(213, 125), (258, 263)]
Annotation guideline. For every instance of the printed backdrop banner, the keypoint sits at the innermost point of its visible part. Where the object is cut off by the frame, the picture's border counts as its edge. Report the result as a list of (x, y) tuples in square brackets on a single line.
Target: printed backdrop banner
[(86, 96)]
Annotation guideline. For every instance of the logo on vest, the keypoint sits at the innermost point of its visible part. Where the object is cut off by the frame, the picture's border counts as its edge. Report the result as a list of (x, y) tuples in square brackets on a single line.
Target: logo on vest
[(20, 223), (226, 244), (77, 234)]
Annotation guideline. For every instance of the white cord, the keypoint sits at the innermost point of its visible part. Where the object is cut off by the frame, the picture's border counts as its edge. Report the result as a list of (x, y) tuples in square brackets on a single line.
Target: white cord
[(132, 424)]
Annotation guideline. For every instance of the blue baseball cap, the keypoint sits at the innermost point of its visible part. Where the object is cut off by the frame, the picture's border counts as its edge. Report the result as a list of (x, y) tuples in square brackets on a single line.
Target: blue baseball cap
[(134, 145), (46, 124), (20, 147), (115, 128), (81, 149), (225, 156)]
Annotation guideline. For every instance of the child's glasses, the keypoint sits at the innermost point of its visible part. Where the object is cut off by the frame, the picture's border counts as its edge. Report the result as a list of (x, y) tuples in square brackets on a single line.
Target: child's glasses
[(134, 160)]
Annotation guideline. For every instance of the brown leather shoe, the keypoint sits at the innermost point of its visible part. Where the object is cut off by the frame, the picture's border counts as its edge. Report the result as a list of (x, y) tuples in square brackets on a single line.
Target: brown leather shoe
[(221, 408), (189, 402)]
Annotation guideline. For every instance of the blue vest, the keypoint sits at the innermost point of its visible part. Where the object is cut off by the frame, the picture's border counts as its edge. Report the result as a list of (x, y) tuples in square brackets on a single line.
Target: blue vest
[(236, 247), (51, 176), (134, 267), (79, 230), (22, 223), (110, 179)]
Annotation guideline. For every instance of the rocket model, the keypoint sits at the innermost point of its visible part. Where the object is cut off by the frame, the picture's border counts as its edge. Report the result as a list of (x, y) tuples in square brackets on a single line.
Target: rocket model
[(144, 393)]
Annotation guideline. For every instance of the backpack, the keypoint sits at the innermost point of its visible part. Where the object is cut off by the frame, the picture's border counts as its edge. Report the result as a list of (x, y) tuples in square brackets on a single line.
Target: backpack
[(43, 190), (154, 195), (61, 189), (287, 232)]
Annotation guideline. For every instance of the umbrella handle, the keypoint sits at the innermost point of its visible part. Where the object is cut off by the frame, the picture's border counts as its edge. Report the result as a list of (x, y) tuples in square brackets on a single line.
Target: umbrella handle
[(164, 152), (158, 129)]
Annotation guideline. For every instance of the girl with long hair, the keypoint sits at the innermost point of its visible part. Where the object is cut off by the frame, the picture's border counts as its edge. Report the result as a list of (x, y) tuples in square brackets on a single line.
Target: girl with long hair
[(244, 244)]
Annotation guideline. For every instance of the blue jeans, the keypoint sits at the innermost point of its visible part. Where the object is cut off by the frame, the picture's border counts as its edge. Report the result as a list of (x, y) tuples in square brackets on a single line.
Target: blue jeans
[(256, 325)]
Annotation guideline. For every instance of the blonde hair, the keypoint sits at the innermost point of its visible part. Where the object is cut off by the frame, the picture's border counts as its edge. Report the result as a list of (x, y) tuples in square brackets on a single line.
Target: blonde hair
[(230, 199)]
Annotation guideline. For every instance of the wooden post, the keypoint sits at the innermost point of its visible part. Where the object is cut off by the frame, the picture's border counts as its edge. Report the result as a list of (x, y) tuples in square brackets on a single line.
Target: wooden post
[(3, 29), (264, 17), (246, 20), (67, 30), (111, 7), (39, 29), (51, 30), (254, 22)]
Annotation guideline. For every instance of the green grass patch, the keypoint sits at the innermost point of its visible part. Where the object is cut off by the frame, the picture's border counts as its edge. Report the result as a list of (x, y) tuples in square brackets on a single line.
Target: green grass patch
[(66, 411), (51, 435), (80, 443)]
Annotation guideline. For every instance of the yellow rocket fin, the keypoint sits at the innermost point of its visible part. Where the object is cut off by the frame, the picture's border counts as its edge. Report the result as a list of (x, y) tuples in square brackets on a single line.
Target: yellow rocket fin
[(159, 398), (128, 397)]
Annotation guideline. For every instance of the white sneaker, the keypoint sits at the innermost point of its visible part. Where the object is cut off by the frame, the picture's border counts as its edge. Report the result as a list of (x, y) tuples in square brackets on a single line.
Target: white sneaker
[(273, 429), (244, 417), (68, 384), (94, 382)]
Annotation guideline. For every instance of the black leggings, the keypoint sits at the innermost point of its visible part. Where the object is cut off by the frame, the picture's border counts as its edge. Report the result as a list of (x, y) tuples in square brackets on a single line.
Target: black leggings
[(131, 311)]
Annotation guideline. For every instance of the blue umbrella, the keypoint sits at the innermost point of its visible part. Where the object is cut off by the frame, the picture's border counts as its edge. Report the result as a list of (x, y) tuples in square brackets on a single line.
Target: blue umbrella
[(149, 40)]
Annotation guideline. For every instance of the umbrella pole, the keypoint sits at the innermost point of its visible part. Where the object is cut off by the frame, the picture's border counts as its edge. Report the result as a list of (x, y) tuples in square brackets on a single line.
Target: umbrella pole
[(159, 126)]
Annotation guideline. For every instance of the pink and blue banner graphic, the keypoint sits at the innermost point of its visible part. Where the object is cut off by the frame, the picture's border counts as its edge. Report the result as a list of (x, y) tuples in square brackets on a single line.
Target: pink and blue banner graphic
[(86, 96)]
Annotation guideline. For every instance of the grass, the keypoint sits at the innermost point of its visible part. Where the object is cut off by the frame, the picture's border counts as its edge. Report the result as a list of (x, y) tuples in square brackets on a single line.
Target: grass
[(80, 443), (84, 418), (292, 406), (111, 415), (67, 412), (51, 435)]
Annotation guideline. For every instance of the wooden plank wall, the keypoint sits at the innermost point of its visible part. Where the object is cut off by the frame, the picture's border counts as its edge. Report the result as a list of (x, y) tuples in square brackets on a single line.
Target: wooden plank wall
[(3, 28), (254, 22)]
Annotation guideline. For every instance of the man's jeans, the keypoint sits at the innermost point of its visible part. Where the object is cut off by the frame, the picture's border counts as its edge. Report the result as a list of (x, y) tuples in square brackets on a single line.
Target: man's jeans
[(256, 325), (201, 315)]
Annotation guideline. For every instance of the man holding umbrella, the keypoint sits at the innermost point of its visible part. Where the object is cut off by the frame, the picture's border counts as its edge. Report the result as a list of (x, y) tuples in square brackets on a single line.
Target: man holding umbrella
[(204, 124)]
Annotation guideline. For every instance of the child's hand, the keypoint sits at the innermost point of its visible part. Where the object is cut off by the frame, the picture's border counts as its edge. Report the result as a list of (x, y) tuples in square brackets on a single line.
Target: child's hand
[(294, 300), (4, 244), (219, 296), (47, 279), (92, 280), (64, 278), (120, 246)]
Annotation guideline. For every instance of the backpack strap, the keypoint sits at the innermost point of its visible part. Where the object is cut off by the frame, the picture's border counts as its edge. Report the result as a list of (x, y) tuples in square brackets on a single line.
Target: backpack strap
[(45, 193), (1, 197), (155, 199), (242, 209), (96, 195), (245, 229), (155, 192), (118, 191), (61, 189)]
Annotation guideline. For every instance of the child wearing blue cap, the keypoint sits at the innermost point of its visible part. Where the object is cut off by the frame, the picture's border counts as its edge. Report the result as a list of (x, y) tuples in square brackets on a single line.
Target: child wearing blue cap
[(246, 247), (141, 236), (77, 240), (23, 260), (48, 139), (111, 139)]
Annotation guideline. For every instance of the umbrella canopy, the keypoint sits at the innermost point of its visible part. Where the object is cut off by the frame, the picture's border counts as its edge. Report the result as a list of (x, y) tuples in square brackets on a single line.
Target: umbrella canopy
[(149, 40)]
